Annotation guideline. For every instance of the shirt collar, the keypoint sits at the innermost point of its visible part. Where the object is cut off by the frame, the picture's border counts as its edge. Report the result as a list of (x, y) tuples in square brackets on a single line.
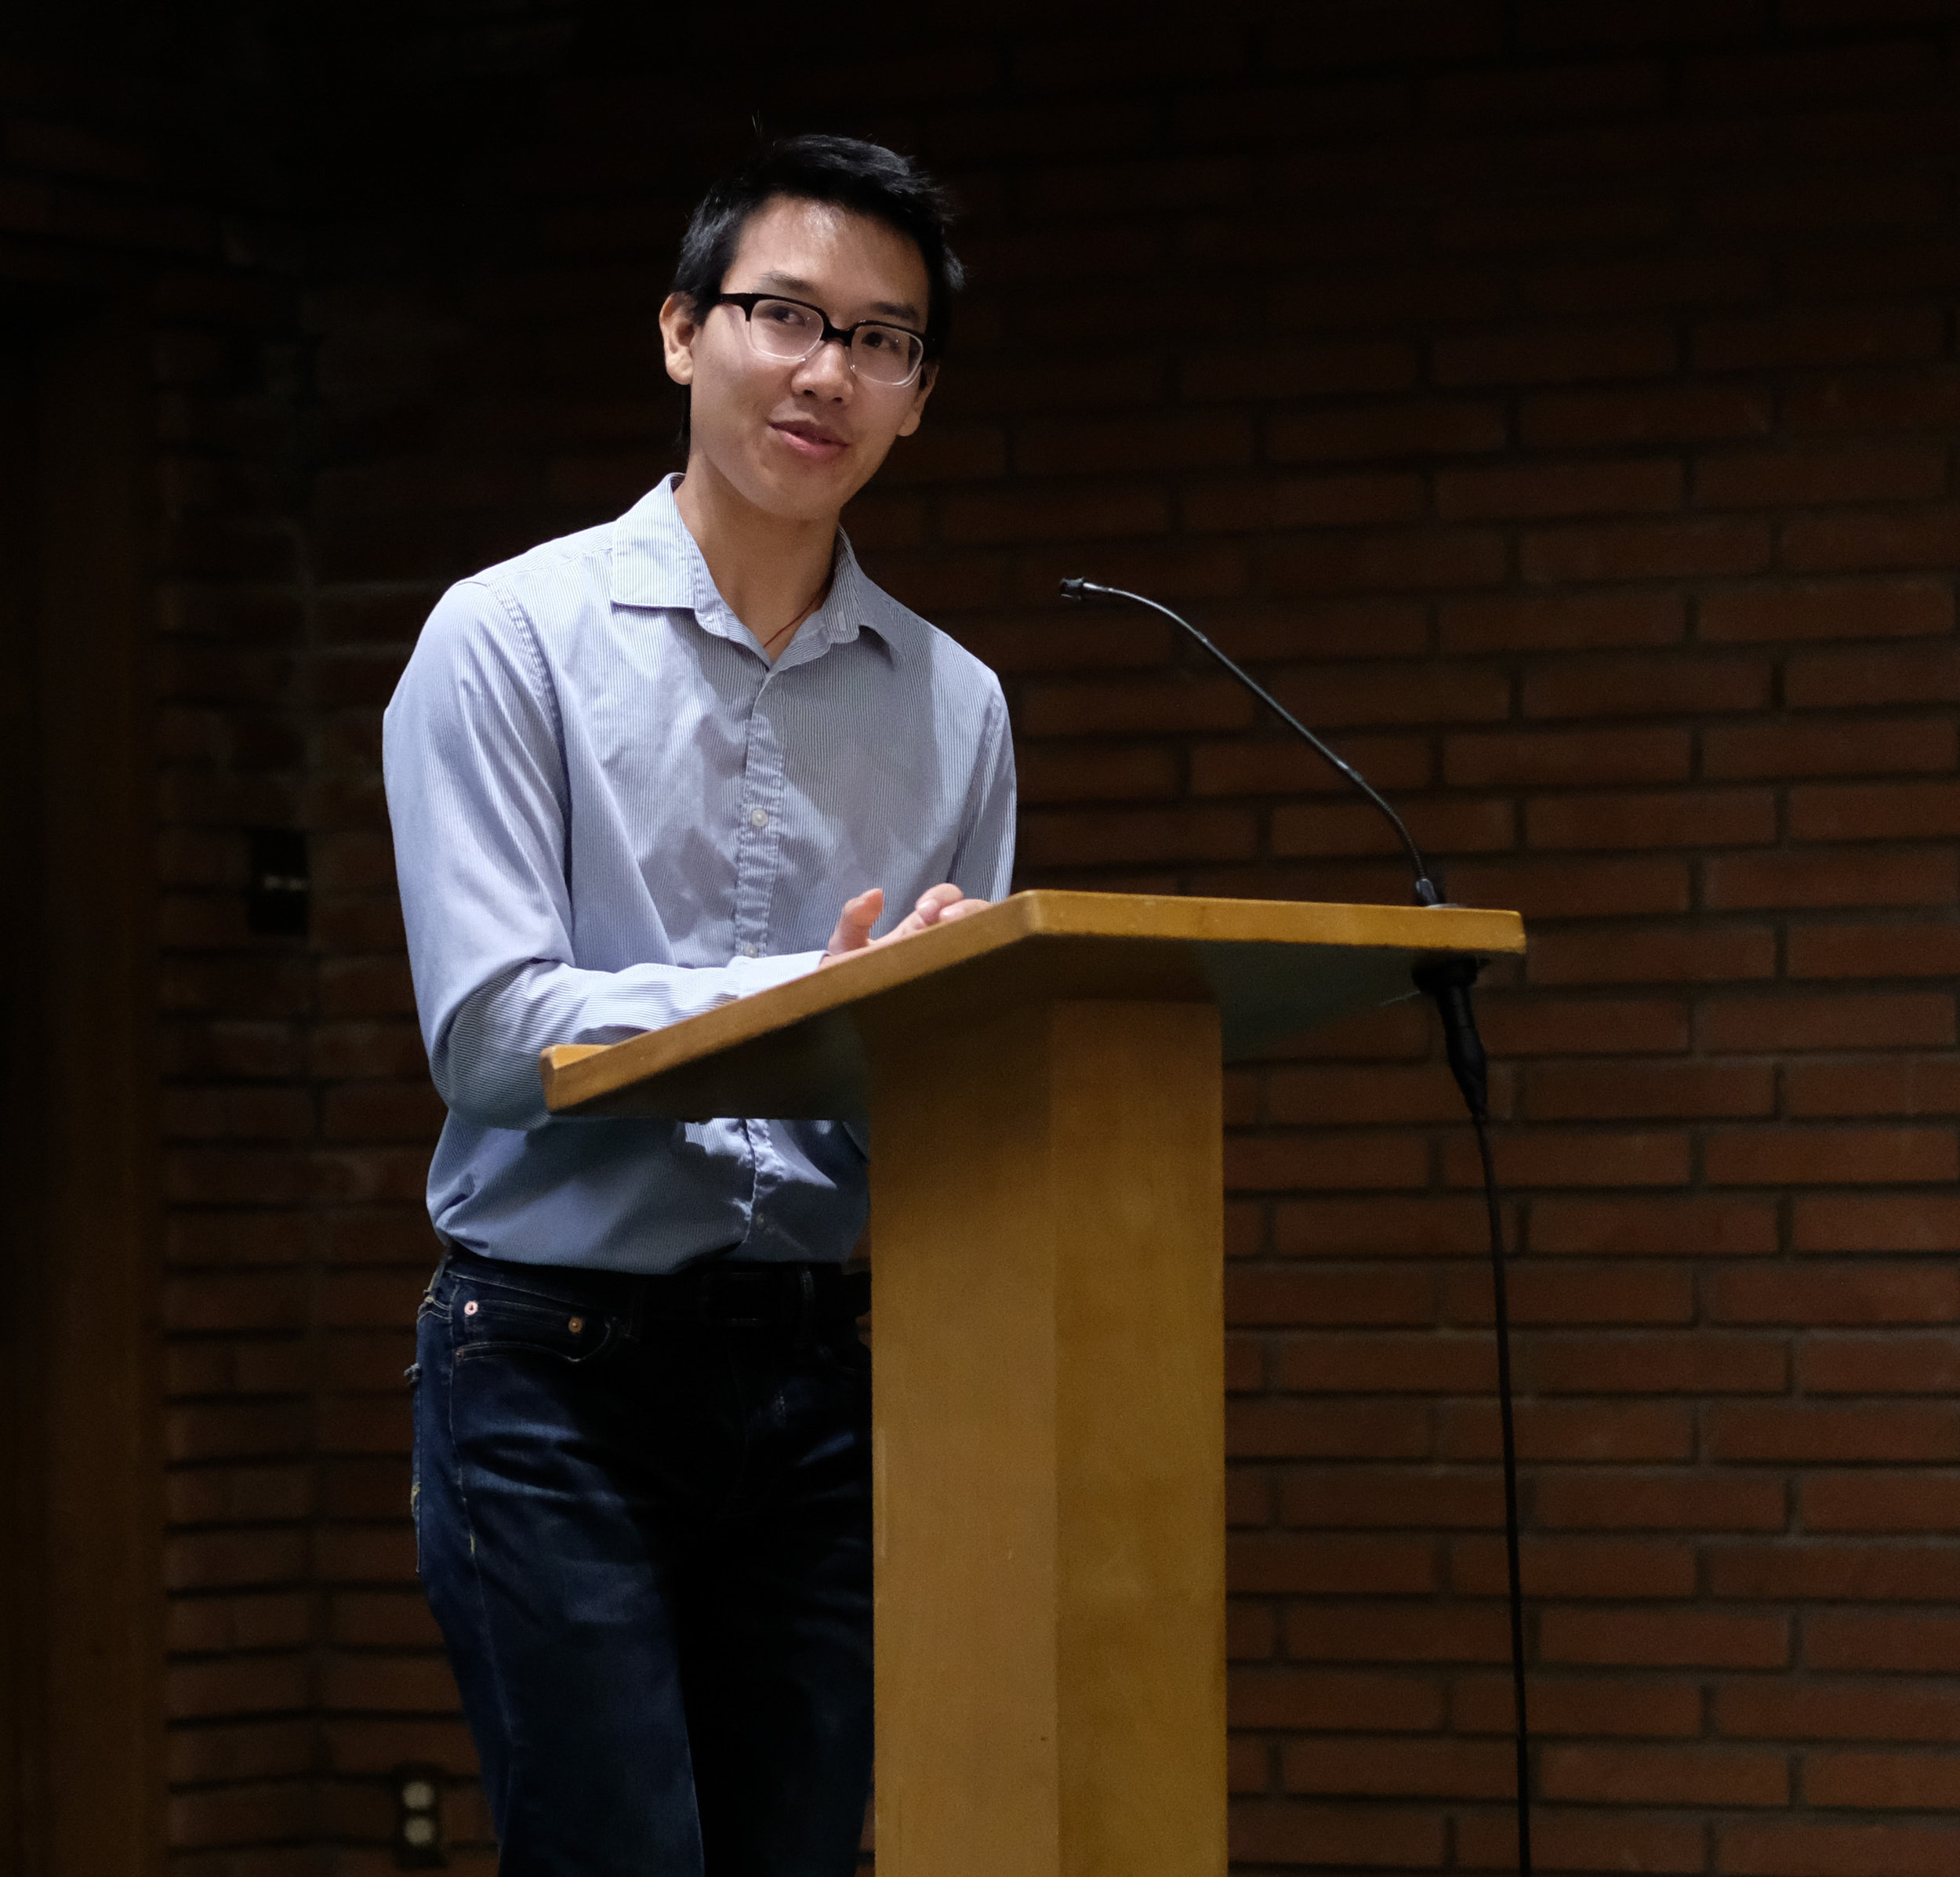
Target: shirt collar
[(657, 563)]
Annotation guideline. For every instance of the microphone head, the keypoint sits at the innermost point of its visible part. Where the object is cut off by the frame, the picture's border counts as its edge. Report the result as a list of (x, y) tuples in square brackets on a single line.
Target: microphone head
[(1075, 588)]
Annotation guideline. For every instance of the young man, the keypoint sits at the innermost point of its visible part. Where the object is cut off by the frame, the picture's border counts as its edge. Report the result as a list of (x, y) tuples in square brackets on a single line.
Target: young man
[(633, 774)]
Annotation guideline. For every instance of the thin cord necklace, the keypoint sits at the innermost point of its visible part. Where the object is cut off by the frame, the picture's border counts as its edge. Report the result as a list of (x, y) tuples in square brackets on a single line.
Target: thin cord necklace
[(816, 600)]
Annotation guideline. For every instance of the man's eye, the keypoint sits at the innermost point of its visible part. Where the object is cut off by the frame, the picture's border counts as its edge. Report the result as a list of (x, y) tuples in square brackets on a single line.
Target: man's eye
[(876, 338), (782, 313)]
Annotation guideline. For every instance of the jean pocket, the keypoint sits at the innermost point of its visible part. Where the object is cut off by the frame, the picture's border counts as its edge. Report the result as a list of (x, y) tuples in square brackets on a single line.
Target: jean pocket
[(485, 1322)]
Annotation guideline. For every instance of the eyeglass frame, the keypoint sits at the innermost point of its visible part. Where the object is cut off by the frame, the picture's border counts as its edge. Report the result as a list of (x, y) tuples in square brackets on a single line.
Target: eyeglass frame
[(844, 335)]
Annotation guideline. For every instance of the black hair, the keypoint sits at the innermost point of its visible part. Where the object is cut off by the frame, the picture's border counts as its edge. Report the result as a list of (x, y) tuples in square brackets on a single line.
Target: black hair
[(866, 179)]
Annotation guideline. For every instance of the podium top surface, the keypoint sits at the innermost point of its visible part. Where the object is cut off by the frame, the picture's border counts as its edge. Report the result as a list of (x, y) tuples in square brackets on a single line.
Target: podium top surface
[(1276, 969)]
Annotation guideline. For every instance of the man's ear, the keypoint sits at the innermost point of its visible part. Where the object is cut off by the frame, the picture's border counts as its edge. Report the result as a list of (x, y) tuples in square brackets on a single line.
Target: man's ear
[(928, 377), (678, 327)]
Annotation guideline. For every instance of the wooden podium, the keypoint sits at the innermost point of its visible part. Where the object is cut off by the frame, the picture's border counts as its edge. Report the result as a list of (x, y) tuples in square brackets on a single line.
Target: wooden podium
[(1044, 1084)]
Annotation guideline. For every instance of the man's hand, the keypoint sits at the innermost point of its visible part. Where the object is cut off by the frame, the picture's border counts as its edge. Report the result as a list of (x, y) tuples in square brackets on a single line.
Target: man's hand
[(934, 907)]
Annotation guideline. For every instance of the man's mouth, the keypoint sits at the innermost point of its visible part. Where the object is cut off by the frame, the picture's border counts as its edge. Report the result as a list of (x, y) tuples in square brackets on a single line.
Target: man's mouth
[(810, 439)]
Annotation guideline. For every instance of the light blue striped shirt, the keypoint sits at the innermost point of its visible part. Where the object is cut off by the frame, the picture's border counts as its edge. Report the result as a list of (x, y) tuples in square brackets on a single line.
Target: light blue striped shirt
[(611, 812)]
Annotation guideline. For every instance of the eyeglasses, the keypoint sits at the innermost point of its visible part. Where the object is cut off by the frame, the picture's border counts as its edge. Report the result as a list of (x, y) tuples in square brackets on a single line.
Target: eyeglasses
[(790, 331)]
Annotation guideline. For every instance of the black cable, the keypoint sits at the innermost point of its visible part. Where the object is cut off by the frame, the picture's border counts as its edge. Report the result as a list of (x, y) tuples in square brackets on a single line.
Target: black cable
[(1447, 980)]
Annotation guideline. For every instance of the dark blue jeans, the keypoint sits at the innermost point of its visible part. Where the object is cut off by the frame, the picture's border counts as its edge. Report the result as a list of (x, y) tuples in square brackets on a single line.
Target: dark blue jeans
[(648, 1545)]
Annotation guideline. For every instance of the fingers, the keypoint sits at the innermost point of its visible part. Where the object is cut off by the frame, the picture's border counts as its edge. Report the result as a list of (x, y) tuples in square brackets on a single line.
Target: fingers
[(934, 907), (854, 923), (932, 903)]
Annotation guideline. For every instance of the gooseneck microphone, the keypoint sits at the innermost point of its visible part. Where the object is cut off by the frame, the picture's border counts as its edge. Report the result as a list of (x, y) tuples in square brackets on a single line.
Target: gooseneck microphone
[(1428, 893), (1446, 980)]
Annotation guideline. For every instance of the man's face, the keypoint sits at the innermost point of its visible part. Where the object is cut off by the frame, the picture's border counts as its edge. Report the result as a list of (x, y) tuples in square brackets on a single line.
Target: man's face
[(799, 439)]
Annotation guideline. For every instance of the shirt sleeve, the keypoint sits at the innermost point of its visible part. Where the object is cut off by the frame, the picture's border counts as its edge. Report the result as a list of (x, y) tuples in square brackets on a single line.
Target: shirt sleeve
[(983, 866), (476, 795)]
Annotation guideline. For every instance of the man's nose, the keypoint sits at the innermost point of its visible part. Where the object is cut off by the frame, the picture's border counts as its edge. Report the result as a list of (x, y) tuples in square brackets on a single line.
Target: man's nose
[(827, 369)]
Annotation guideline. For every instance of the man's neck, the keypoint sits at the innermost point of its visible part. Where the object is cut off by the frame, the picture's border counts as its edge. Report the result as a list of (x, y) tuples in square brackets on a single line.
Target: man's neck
[(771, 572)]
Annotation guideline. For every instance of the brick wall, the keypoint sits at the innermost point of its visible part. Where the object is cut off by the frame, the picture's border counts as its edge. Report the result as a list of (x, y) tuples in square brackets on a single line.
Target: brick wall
[(1556, 404)]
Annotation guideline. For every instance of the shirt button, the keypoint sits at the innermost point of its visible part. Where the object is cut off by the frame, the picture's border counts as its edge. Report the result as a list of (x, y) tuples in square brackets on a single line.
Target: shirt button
[(757, 818), (748, 951)]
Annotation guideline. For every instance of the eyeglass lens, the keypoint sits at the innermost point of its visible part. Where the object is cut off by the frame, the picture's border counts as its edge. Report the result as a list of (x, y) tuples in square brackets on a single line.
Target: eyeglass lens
[(783, 329)]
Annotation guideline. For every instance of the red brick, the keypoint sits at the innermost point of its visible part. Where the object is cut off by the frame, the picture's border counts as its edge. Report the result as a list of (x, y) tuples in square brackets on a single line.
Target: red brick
[(1923, 1223), (1637, 1431), (1742, 881), (1279, 1163), (1860, 1293), (1836, 543), (1392, 1768), (1842, 609), (1921, 949), (1297, 1295), (1127, 837), (1777, 479), (1813, 1850), (1578, 487), (1918, 1645), (1916, 1782), (1260, 504), (1542, 1025), (1574, 1293), (1427, 1364), (1658, 1227), (1752, 1430), (1273, 767), (1657, 954), (1642, 1638), (1531, 621), (1568, 888), (1646, 550), (1539, 758), (1442, 827), (1437, 692), (1683, 817), (1368, 1835), (1647, 687), (1829, 1157), (1621, 1090), (1338, 1227), (1663, 1776), (1696, 1363), (1402, 561), (1290, 369), (1870, 1500), (1910, 1085), (1884, 335), (1345, 1567), (1411, 1632), (1612, 1705), (1841, 1710), (1334, 1700), (1367, 1497), (1046, 775), (1408, 428), (1889, 1364), (1554, 355), (1134, 707), (1584, 1841), (1578, 1568), (1129, 445), (1705, 1500), (1297, 1429), (1897, 674), (1844, 1020), (1680, 412), (1829, 1573), (1578, 1157)]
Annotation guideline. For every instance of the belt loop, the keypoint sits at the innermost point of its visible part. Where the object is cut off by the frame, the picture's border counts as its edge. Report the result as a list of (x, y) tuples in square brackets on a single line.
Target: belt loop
[(435, 1277)]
